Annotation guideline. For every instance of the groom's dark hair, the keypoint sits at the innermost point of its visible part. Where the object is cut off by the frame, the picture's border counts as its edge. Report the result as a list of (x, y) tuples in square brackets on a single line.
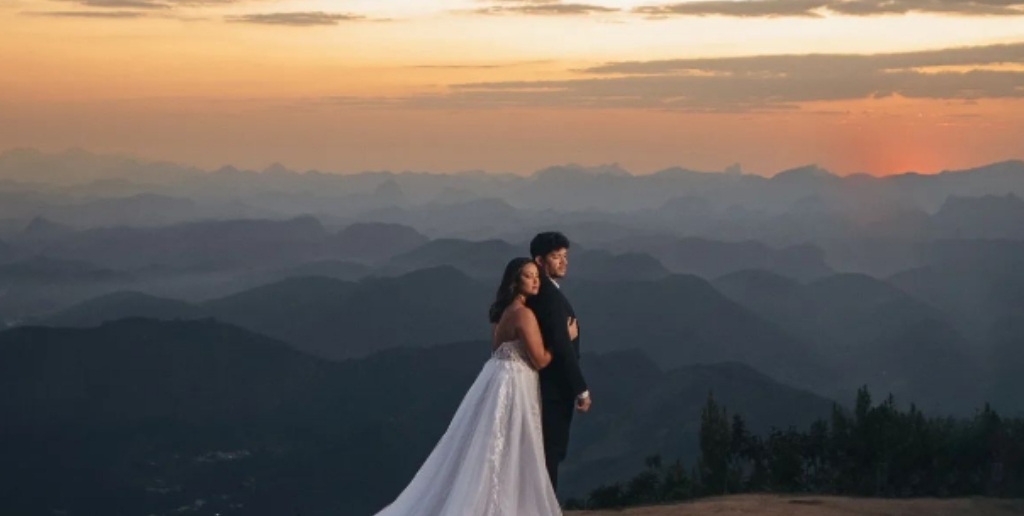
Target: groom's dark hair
[(547, 242)]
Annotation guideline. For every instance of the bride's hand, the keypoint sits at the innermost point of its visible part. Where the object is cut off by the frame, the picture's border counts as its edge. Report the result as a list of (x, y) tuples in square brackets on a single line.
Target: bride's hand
[(574, 330)]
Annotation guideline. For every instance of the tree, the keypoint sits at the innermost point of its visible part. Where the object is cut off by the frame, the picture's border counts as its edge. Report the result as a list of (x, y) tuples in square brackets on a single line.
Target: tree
[(676, 485), (875, 450), (715, 448)]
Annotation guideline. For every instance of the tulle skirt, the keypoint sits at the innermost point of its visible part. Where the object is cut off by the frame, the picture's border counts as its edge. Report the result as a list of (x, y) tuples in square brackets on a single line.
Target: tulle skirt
[(490, 461)]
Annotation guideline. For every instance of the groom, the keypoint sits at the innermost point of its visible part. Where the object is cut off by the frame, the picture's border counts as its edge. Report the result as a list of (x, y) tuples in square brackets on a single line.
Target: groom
[(562, 387)]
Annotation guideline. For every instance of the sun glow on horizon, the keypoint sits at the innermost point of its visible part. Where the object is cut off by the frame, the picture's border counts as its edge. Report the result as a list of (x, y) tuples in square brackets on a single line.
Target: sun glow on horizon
[(399, 84)]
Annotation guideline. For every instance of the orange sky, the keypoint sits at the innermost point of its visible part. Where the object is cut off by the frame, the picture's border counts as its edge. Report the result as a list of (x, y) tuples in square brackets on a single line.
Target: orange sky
[(393, 84)]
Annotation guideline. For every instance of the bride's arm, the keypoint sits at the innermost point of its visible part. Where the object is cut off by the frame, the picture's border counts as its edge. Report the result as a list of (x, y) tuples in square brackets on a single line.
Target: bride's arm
[(529, 331)]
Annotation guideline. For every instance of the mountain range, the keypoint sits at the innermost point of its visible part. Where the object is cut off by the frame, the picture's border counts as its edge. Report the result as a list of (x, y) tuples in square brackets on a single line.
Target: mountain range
[(157, 415)]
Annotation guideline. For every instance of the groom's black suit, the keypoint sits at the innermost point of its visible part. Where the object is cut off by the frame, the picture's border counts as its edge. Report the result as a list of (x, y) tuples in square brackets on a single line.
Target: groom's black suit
[(561, 381)]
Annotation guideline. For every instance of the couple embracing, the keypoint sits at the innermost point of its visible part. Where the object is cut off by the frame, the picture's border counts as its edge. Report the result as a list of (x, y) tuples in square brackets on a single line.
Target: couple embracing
[(501, 452)]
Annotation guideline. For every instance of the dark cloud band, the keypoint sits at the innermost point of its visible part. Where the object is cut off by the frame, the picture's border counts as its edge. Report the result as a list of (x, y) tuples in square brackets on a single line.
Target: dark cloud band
[(758, 83), (815, 8), (297, 19)]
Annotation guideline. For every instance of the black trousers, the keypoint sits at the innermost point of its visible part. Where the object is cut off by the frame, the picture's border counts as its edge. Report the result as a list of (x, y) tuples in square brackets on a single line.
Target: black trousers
[(556, 417)]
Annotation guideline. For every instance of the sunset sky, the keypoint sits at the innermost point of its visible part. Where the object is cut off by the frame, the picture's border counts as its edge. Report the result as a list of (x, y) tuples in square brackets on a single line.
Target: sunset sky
[(876, 86)]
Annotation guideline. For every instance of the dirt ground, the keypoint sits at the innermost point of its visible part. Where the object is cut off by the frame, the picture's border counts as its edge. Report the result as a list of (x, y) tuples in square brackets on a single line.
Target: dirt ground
[(771, 505)]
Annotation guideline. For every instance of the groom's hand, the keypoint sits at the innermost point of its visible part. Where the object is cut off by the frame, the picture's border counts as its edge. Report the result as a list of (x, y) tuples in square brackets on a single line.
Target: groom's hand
[(574, 329), (583, 405)]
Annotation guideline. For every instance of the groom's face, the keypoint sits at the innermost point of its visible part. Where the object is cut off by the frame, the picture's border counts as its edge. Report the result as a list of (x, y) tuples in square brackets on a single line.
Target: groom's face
[(555, 263)]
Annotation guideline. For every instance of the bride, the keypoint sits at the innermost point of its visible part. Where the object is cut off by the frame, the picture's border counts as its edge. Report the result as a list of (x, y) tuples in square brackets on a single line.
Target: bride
[(490, 461)]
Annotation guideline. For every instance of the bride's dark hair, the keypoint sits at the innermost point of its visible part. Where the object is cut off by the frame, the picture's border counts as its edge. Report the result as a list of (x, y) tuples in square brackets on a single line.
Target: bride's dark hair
[(508, 289)]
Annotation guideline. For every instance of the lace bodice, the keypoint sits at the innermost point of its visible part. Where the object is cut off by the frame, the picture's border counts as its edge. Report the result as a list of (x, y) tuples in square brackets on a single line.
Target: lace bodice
[(513, 350)]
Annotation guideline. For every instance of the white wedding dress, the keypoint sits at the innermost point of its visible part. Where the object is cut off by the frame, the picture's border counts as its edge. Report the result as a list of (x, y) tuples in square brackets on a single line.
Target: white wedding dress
[(490, 461)]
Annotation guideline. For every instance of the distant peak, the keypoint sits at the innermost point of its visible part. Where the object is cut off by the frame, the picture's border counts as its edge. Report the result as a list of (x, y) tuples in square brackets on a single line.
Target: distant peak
[(42, 226), (278, 169), (389, 190), (677, 171), (440, 274), (304, 220), (359, 227), (808, 171), (227, 169), (573, 169), (1012, 166)]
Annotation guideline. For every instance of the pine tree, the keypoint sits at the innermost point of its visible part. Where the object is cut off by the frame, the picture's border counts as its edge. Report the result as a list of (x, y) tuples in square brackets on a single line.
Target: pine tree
[(715, 447), (676, 484)]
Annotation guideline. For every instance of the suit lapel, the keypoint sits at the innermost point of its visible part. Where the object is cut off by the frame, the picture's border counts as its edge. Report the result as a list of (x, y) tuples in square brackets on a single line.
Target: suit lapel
[(564, 300)]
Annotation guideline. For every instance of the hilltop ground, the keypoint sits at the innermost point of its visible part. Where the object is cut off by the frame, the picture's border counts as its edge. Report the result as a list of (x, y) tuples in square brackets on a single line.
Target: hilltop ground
[(771, 505)]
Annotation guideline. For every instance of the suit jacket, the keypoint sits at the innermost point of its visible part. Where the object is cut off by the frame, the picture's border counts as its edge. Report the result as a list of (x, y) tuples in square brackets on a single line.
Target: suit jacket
[(562, 378)]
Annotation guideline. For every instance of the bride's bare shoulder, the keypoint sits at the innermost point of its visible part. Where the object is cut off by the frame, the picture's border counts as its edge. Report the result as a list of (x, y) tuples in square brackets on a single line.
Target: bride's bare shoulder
[(516, 312), (522, 314)]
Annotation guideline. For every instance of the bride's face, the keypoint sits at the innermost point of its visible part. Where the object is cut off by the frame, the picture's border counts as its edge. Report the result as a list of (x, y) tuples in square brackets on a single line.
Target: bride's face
[(529, 280)]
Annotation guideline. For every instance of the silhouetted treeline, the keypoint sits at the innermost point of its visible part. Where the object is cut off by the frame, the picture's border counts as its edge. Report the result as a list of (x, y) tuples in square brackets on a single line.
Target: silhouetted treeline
[(877, 450)]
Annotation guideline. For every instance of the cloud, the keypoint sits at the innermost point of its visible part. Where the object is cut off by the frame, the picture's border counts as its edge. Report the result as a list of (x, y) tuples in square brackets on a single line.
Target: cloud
[(815, 8), (128, 9), (952, 7), (122, 4), (742, 9), (298, 19), (541, 8), (756, 83), (864, 63), (148, 4), (125, 9), (88, 14)]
